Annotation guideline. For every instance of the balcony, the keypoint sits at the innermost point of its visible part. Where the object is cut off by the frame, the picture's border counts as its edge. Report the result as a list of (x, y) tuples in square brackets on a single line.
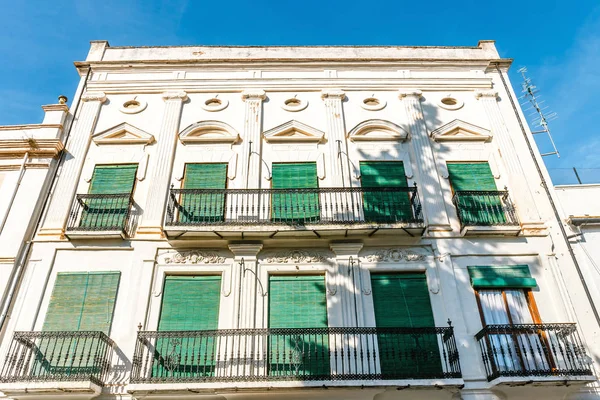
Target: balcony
[(99, 216), (486, 213), (234, 213), (56, 363), (186, 360), (534, 352)]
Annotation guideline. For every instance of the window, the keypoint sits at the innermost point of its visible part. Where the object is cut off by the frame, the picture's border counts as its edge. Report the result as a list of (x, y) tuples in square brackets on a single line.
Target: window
[(107, 204), (475, 194), (298, 301), (402, 301), (295, 205), (384, 206), (204, 198)]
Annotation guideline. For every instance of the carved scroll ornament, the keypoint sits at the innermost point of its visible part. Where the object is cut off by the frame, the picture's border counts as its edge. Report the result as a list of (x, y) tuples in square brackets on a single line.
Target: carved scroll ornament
[(395, 255), (195, 257)]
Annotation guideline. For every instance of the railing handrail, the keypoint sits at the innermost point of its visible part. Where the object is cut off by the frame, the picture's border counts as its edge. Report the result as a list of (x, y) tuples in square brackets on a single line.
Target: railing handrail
[(101, 212), (480, 192), (407, 189), (517, 328), (57, 334)]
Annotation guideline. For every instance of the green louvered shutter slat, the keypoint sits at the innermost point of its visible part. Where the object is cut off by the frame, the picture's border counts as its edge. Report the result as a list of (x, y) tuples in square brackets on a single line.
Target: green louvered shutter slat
[(513, 276), (384, 206), (66, 302), (190, 303), (298, 301), (476, 209), (402, 301), (109, 213), (203, 207), (295, 207)]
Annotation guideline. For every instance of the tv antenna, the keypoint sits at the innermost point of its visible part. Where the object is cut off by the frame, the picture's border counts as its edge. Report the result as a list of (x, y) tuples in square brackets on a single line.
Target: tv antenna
[(539, 116)]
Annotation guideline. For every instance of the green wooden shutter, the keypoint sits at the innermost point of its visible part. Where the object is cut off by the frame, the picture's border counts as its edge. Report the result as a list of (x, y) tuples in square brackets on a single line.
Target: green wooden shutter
[(384, 206), (109, 213), (476, 208), (402, 301), (190, 303), (298, 301), (504, 276), (295, 206), (203, 206), (82, 302)]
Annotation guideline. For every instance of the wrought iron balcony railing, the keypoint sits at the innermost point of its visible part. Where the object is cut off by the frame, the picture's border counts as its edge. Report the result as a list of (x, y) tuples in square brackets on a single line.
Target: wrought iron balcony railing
[(311, 354), (533, 350), (100, 212), (485, 208), (58, 356), (193, 207)]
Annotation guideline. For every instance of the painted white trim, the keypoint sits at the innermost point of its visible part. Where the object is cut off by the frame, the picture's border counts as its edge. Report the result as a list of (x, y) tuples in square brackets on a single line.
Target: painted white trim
[(209, 132), (377, 130), (293, 131)]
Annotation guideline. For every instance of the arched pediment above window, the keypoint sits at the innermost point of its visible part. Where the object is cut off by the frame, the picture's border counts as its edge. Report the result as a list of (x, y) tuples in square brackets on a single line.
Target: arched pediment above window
[(209, 132), (123, 134), (293, 131), (378, 130), (461, 131)]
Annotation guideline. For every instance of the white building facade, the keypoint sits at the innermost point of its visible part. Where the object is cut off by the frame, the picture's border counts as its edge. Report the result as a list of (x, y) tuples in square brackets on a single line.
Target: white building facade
[(299, 222)]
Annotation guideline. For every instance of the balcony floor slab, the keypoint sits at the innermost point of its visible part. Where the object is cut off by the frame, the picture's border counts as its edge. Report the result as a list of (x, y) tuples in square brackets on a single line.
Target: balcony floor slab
[(501, 230), (58, 389)]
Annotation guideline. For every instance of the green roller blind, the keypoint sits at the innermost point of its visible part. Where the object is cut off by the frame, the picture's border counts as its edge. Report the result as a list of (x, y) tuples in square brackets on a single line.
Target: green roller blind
[(384, 206), (476, 208), (82, 302), (190, 303), (113, 179), (297, 301), (203, 206), (402, 301), (294, 206), (471, 176), (513, 276)]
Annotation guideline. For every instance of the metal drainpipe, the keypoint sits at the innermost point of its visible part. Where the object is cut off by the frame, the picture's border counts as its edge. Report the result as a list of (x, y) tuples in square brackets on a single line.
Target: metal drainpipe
[(14, 194), (23, 255), (549, 195)]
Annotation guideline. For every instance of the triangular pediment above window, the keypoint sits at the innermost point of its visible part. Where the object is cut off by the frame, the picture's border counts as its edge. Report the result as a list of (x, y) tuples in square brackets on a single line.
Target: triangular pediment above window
[(461, 131), (123, 134), (209, 132), (293, 131), (378, 130)]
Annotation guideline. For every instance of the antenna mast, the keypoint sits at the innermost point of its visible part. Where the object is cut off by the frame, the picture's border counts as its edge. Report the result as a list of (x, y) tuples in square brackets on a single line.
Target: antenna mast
[(538, 118)]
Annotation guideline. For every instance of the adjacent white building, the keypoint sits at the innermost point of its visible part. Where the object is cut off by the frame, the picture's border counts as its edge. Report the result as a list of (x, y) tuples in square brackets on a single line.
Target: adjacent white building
[(299, 222)]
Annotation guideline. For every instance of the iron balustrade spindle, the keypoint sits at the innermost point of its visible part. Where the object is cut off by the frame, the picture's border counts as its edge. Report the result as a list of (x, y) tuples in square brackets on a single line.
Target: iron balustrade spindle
[(485, 208), (194, 207), (533, 350), (58, 356), (100, 212), (298, 354)]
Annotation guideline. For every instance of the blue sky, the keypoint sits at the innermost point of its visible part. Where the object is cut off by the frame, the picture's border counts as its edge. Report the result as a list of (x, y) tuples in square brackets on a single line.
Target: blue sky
[(558, 41)]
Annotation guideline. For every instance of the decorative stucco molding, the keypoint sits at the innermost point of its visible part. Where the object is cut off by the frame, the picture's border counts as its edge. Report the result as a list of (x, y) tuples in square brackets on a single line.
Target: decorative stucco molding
[(460, 131), (410, 93), (257, 94), (295, 257), (377, 130), (333, 94), (293, 131), (194, 257), (209, 132), (486, 93), (93, 96), (177, 95), (395, 255), (123, 134)]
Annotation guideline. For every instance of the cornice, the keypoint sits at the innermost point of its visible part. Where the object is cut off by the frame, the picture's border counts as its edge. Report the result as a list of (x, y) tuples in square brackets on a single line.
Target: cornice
[(35, 147), (333, 94), (486, 93), (410, 93), (55, 107), (30, 126)]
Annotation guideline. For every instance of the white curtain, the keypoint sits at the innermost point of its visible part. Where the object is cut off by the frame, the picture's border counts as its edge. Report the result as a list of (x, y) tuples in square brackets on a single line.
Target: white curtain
[(534, 353), (502, 345)]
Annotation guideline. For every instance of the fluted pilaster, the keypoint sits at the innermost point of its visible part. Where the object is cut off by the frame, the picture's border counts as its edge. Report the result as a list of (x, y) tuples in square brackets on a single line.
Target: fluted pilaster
[(252, 142), (161, 174), (249, 305), (516, 175), (436, 214), (70, 171), (337, 170)]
